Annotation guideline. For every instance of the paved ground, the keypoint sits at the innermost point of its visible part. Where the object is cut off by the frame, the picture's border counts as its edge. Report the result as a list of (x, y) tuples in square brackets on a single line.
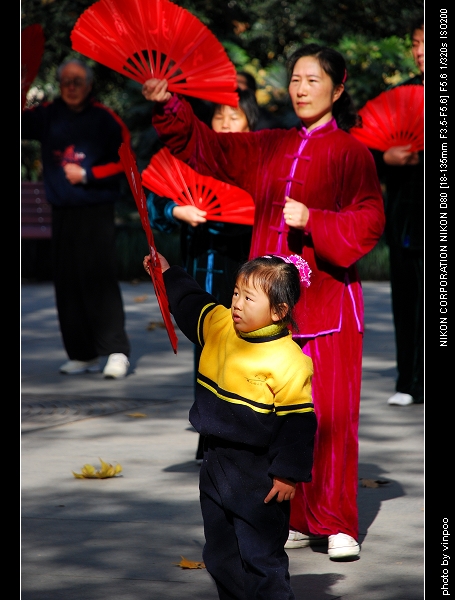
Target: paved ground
[(120, 538)]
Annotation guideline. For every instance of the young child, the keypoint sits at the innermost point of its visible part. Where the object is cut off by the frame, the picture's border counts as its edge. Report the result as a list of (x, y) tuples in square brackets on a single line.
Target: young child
[(211, 251), (253, 405)]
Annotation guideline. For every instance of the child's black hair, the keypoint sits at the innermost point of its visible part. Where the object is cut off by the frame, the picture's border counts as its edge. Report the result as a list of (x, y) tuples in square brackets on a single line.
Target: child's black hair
[(279, 280)]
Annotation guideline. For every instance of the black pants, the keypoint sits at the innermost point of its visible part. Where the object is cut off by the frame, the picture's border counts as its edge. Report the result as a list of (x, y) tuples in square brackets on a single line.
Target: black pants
[(88, 296), (406, 280), (244, 549)]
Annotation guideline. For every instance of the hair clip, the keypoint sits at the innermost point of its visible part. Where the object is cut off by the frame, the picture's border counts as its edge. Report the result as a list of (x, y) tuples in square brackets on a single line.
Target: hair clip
[(302, 266)]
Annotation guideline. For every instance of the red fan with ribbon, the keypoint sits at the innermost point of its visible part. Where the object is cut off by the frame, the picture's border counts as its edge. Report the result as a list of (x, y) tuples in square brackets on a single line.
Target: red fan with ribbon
[(144, 39), (394, 118), (134, 179), (32, 48), (168, 176)]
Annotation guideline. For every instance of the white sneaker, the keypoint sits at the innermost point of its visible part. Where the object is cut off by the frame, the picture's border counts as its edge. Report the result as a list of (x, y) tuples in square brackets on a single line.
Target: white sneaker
[(301, 540), (116, 366), (400, 399), (74, 367), (342, 545)]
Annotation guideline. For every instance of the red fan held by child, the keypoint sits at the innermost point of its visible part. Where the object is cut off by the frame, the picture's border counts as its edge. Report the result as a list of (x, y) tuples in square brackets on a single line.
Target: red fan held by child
[(134, 179), (168, 176), (394, 118), (144, 39)]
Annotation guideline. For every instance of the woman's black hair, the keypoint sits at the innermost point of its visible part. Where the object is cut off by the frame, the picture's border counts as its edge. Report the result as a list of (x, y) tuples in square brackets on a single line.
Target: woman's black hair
[(334, 65), (248, 104), (278, 279)]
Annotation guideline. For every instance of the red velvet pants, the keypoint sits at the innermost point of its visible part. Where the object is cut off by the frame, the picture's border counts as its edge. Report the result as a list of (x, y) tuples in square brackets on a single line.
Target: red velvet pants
[(328, 505)]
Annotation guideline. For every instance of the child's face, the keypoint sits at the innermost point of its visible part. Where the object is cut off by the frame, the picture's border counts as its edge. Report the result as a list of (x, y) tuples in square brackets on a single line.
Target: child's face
[(250, 308), (227, 119)]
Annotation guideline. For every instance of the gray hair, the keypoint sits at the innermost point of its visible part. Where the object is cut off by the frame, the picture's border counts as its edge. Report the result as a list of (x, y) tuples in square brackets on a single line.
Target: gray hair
[(79, 63)]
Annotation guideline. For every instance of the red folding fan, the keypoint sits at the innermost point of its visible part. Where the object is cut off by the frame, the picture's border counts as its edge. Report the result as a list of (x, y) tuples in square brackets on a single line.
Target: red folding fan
[(134, 180), (144, 39), (32, 48), (170, 177), (394, 118)]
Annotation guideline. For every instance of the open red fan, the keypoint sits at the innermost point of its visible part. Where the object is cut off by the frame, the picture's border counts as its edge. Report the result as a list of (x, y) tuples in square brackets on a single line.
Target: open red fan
[(170, 177), (134, 179), (32, 48), (394, 118), (144, 39)]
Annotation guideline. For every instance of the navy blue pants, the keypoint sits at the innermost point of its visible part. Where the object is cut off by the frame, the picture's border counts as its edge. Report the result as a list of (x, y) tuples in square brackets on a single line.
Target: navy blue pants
[(244, 549)]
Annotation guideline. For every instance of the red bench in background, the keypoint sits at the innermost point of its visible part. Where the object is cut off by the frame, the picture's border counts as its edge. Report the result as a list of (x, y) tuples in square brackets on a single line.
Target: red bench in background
[(36, 213)]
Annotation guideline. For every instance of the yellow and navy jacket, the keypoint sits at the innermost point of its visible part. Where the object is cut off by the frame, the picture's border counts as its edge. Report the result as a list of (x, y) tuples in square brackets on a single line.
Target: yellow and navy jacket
[(252, 389)]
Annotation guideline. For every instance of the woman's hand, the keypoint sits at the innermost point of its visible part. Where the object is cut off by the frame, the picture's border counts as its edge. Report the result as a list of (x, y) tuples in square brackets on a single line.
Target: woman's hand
[(283, 489), (156, 90), (163, 262), (190, 214), (400, 156), (295, 213)]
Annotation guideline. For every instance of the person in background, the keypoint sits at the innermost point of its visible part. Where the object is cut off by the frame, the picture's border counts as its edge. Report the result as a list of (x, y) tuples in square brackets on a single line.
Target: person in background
[(316, 194), (402, 172), (266, 120), (211, 251), (253, 406), (82, 172)]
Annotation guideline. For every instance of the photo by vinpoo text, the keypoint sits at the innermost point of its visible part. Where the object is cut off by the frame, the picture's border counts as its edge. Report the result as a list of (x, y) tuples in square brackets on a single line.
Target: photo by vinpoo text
[(445, 557)]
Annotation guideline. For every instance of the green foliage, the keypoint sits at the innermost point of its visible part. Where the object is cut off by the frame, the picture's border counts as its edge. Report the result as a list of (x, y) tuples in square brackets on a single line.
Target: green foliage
[(375, 265), (270, 29), (374, 65)]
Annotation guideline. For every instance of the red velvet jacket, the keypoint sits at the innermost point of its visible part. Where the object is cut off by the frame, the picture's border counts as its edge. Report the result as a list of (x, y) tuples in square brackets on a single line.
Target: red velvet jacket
[(327, 169)]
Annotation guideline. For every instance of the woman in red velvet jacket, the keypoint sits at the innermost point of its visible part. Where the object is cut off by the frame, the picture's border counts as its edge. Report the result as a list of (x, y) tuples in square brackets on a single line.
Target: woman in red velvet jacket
[(317, 194)]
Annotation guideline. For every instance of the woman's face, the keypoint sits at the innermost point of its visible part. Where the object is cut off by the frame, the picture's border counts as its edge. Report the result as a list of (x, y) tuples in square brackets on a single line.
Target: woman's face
[(227, 119), (312, 92)]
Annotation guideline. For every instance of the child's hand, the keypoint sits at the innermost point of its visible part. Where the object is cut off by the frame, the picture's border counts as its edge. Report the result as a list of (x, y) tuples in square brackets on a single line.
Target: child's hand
[(146, 263), (283, 489), (190, 214), (163, 262)]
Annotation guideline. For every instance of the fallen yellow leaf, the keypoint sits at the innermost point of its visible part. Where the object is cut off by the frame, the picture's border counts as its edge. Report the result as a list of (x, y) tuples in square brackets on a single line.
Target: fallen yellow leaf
[(372, 483), (141, 298), (154, 324), (136, 415), (106, 471), (190, 564)]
